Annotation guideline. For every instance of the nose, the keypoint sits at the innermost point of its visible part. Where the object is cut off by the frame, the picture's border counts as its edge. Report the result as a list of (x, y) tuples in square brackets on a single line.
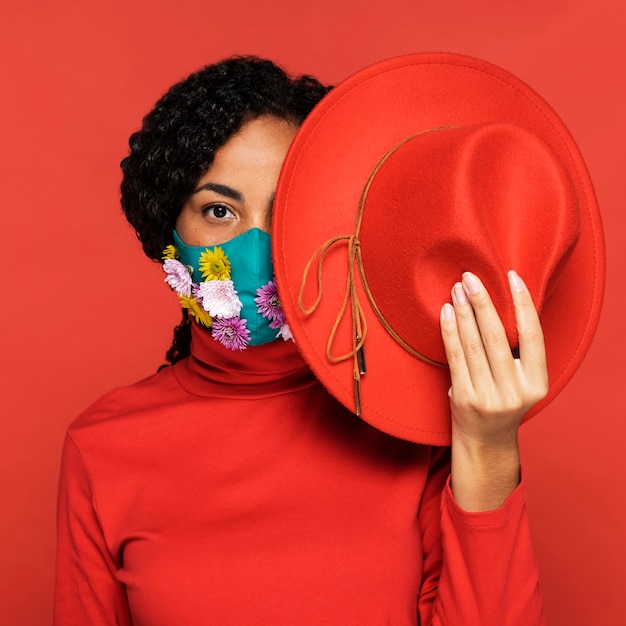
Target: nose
[(267, 221), (262, 219)]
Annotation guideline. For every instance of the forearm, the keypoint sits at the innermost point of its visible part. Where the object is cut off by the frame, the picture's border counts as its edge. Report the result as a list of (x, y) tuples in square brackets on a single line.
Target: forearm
[(489, 575)]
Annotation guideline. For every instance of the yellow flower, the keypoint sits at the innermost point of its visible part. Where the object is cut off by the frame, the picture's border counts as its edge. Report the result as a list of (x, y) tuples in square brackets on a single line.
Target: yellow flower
[(169, 252), (196, 311), (214, 264)]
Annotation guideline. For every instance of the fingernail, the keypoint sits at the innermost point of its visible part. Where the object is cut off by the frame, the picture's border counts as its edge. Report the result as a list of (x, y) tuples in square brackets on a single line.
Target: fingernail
[(517, 284), (471, 282), (448, 312), (458, 294)]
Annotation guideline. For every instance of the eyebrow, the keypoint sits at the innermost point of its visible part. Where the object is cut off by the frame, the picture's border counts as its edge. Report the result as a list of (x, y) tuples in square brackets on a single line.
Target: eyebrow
[(222, 190)]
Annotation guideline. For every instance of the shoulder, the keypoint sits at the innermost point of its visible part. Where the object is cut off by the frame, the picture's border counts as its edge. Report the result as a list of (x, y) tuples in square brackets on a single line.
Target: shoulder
[(143, 397)]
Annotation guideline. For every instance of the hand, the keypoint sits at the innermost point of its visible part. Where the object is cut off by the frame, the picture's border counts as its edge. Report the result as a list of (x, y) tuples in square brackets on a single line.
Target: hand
[(491, 390)]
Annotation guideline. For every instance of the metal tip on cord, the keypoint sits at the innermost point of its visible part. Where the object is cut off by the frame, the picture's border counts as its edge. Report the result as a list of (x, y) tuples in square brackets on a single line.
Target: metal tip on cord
[(360, 357), (357, 397)]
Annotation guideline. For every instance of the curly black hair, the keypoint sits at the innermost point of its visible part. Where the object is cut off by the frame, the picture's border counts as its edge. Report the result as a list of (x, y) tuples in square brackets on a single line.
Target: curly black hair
[(179, 137)]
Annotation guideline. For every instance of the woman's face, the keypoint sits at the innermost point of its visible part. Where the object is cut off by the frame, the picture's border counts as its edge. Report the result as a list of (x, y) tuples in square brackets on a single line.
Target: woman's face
[(236, 193)]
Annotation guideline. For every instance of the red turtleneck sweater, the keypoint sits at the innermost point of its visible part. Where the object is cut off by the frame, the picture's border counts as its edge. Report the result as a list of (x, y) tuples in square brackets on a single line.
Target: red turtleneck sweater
[(232, 489)]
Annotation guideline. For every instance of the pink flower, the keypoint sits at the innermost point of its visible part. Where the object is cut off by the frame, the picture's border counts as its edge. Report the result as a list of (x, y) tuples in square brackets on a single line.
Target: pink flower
[(231, 333), (268, 304), (285, 332), (177, 277), (218, 298)]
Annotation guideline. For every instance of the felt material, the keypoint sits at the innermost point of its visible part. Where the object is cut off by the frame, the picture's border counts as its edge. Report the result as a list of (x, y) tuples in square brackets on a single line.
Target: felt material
[(502, 185), (464, 196)]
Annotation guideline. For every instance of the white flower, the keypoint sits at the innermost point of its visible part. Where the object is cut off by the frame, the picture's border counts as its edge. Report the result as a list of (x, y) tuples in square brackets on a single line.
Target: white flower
[(219, 298), (285, 332), (177, 277)]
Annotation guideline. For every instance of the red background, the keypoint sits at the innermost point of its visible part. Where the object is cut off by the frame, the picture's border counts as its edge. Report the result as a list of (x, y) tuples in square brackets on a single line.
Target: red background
[(83, 311)]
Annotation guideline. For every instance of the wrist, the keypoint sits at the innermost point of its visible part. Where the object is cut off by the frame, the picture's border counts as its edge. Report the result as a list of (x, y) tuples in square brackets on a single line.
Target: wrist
[(484, 473)]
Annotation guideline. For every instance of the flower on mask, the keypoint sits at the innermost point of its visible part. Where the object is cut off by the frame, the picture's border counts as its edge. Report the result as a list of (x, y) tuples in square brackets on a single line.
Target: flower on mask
[(177, 277), (169, 252), (285, 332), (218, 298), (196, 311), (232, 333), (268, 304), (215, 303), (214, 264)]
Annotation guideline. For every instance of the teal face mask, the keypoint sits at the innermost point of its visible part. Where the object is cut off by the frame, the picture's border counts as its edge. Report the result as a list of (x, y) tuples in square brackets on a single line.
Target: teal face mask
[(229, 287)]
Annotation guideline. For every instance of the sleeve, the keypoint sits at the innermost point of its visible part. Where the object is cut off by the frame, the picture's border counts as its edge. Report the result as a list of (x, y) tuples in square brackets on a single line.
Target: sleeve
[(479, 568), (86, 590)]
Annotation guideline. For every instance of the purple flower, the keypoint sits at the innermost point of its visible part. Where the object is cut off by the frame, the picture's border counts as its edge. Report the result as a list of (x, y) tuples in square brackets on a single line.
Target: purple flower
[(218, 298), (177, 277), (231, 333), (268, 304), (195, 294)]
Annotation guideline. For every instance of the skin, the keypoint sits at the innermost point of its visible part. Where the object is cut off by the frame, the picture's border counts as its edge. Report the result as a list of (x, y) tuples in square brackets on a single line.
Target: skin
[(490, 391), (243, 175)]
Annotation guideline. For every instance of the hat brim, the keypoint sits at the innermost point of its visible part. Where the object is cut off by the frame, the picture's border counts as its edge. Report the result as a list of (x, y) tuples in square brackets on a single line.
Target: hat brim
[(317, 198)]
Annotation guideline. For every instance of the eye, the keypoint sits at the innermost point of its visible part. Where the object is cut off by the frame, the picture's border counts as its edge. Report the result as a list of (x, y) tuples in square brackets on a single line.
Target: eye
[(217, 211)]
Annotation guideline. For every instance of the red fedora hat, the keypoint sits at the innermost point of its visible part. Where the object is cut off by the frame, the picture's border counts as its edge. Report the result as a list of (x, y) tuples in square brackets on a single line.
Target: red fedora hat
[(406, 175)]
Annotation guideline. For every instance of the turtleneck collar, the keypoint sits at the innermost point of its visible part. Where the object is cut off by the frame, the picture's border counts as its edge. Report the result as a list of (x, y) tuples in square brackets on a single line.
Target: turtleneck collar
[(258, 371)]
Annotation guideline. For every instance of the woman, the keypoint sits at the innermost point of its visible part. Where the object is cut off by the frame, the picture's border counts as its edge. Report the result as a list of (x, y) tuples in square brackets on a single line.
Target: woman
[(231, 488)]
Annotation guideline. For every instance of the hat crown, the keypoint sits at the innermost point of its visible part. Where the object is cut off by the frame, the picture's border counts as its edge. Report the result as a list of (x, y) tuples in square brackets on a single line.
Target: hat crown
[(483, 198)]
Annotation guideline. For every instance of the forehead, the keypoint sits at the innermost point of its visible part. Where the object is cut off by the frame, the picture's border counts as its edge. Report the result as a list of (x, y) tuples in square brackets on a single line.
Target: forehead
[(263, 136)]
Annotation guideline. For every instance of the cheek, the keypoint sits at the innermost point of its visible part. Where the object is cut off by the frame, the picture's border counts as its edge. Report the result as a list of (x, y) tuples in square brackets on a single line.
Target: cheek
[(191, 227), (182, 225), (197, 230), (188, 228)]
